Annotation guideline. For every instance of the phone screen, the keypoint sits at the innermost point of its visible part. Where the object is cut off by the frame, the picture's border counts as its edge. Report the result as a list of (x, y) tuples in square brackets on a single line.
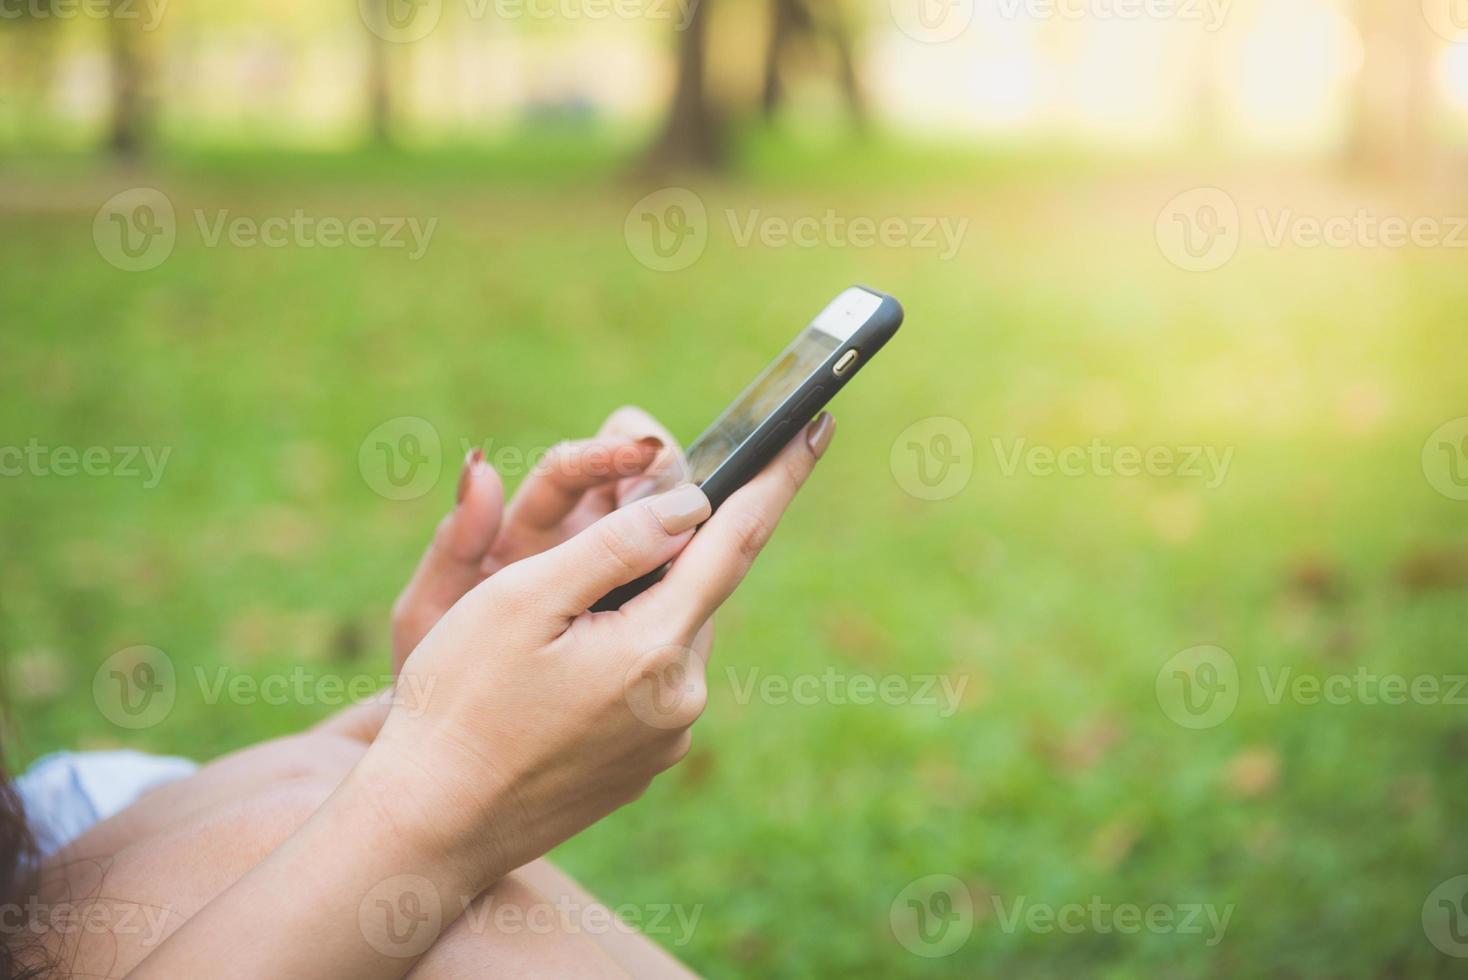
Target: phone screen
[(775, 384)]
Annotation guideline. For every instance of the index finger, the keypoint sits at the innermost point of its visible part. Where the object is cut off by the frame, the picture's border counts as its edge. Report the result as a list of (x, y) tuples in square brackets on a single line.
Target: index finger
[(558, 482)]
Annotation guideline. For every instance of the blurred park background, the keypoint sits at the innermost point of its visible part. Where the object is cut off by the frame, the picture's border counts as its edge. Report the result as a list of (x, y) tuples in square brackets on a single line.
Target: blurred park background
[(245, 246)]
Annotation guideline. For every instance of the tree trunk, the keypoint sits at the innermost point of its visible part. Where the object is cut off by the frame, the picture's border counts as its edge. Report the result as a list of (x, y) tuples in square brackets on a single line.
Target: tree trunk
[(693, 135), (846, 75), (1393, 101), (127, 127)]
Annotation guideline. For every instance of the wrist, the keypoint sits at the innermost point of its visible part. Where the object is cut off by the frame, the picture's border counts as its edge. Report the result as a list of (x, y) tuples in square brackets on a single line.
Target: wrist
[(443, 830)]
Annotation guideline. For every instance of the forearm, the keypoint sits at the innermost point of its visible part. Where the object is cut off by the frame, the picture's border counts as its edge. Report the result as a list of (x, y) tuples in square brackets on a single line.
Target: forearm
[(357, 891)]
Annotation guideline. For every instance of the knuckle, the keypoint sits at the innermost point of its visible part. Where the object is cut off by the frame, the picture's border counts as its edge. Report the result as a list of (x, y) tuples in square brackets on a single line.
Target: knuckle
[(751, 533), (695, 702), (680, 747), (797, 465), (619, 547), (559, 461)]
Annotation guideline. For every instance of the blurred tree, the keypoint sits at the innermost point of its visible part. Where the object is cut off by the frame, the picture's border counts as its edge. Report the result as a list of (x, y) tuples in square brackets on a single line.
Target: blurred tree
[(694, 134), (130, 111), (696, 131), (793, 24), (1393, 100), (380, 76)]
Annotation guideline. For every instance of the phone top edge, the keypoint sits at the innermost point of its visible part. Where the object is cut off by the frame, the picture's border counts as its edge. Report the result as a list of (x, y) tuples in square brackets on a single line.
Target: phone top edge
[(852, 308)]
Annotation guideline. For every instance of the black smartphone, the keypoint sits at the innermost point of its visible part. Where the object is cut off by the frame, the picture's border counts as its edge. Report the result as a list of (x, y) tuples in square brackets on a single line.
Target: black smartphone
[(782, 400)]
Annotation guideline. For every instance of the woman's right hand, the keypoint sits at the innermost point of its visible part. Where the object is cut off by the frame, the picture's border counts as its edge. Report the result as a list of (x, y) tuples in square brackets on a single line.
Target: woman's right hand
[(533, 718)]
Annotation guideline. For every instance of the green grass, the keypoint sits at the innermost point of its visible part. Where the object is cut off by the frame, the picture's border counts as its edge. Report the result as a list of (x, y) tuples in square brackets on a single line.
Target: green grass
[(1058, 598)]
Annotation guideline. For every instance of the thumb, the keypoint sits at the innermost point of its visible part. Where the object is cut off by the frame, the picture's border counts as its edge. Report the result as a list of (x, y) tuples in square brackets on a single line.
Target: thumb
[(624, 545)]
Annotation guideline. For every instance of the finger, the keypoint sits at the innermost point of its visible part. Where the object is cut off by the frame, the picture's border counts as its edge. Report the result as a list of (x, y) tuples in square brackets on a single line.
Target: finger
[(452, 565), (666, 471), (567, 472), (620, 547), (714, 564)]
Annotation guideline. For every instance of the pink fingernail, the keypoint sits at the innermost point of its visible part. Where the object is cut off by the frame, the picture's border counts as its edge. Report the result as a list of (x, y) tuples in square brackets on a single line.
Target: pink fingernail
[(680, 508), (474, 458), (818, 436)]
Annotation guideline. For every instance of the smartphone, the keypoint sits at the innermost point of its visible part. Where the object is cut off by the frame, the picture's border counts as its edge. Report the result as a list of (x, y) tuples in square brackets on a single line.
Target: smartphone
[(782, 400)]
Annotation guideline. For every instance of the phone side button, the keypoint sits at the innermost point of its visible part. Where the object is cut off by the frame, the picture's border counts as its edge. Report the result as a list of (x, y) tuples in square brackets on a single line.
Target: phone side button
[(813, 400), (847, 362), (777, 438)]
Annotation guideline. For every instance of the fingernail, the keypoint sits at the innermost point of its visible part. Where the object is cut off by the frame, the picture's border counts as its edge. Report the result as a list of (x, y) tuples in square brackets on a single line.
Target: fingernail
[(818, 436), (680, 508), (474, 458), (650, 443)]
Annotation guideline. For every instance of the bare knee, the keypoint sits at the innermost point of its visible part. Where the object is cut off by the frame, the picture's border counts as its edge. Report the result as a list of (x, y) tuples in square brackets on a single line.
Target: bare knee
[(516, 929)]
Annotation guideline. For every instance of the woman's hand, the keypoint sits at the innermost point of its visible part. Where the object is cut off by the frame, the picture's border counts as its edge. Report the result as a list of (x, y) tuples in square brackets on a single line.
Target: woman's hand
[(535, 717), (575, 484)]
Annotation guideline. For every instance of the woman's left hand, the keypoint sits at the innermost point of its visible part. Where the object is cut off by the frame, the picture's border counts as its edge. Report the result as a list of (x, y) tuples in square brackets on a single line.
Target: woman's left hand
[(574, 485)]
